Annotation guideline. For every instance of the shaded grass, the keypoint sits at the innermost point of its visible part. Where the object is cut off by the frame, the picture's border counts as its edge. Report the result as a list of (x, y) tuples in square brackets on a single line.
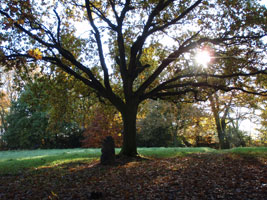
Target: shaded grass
[(15, 162)]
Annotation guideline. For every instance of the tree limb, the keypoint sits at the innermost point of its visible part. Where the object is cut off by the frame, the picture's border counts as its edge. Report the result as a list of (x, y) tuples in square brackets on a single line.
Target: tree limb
[(99, 44), (58, 27), (182, 49)]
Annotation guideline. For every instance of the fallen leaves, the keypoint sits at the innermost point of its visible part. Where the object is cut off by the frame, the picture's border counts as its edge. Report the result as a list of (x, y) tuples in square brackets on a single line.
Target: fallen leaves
[(202, 176)]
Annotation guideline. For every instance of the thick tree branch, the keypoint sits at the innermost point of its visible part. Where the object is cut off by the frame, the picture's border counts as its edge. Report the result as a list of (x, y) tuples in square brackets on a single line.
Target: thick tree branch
[(138, 44), (65, 53), (99, 45), (183, 88), (114, 9), (185, 48), (121, 60), (175, 20), (69, 56), (120, 38), (33, 36), (67, 69), (149, 28), (161, 95), (206, 75), (166, 85), (94, 83), (102, 16), (127, 7)]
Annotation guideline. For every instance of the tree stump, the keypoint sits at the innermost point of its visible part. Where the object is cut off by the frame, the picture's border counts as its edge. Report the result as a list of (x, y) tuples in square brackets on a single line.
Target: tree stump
[(108, 151)]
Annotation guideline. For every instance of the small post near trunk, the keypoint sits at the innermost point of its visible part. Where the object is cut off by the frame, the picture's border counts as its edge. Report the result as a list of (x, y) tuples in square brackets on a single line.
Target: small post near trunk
[(108, 151)]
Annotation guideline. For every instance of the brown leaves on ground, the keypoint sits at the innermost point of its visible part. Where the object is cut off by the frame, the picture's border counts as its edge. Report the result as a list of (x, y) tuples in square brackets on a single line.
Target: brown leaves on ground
[(199, 176)]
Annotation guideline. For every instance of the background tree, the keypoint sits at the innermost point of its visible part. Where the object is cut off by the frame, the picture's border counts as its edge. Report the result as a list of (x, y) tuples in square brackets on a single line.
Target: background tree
[(133, 29), (4, 105), (236, 137), (156, 128), (228, 110), (166, 123), (261, 103), (263, 123), (220, 112), (104, 122), (191, 122), (28, 125)]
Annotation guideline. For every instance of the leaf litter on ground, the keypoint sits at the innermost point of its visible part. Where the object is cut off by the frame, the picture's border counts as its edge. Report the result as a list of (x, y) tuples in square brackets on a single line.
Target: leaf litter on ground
[(196, 176)]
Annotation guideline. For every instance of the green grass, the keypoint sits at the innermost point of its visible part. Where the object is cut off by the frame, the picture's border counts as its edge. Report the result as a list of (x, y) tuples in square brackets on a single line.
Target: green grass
[(14, 162), (162, 152), (248, 151), (241, 150)]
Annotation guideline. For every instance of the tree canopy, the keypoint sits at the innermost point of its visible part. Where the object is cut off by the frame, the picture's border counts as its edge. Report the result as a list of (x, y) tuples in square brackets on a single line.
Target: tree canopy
[(133, 50)]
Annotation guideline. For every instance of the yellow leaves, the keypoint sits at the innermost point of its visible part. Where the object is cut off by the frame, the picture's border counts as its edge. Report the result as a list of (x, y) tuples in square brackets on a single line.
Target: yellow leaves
[(20, 21), (35, 53)]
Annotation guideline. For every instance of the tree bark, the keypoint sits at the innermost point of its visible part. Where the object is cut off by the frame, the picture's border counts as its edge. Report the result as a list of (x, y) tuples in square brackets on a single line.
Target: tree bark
[(129, 147)]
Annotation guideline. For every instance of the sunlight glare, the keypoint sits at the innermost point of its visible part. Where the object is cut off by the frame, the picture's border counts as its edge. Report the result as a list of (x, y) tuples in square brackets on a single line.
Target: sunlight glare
[(203, 58)]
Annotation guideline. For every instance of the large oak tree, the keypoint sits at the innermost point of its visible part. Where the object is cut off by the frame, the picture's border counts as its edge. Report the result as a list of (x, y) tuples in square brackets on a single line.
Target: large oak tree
[(132, 50)]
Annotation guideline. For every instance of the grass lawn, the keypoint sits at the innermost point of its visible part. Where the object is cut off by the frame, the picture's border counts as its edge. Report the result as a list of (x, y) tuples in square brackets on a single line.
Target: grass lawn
[(12, 162), (16, 161), (162, 173)]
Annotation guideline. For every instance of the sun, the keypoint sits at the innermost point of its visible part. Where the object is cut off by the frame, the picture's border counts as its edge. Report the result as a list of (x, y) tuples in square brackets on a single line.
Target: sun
[(203, 58)]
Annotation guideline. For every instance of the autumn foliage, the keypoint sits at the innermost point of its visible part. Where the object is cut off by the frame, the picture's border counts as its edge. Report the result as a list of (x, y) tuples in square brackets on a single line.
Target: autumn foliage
[(102, 124)]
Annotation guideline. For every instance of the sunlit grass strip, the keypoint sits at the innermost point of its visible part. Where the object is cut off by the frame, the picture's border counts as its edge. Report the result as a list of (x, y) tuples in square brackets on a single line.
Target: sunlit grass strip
[(18, 166), (17, 161), (248, 151), (163, 152), (22, 154)]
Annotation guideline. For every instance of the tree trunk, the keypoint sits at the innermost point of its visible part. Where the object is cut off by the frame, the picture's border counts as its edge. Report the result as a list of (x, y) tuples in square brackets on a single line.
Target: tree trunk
[(221, 138), (220, 122), (221, 129), (129, 147)]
